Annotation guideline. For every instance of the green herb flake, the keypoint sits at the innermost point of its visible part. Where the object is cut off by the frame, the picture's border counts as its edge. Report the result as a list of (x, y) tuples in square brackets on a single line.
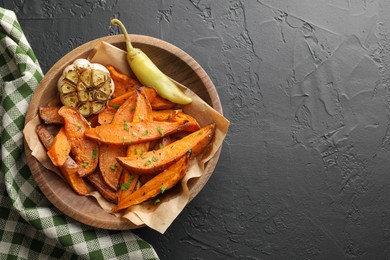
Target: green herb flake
[(115, 106), (154, 159), (126, 126), (85, 165), (79, 126), (160, 145), (94, 154), (142, 156), (125, 186), (89, 123), (148, 162), (145, 132), (163, 189), (200, 133), (160, 130), (135, 151), (114, 167), (157, 201), (134, 133)]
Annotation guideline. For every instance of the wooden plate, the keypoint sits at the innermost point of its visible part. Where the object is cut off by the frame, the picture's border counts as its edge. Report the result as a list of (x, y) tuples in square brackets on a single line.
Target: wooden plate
[(175, 63)]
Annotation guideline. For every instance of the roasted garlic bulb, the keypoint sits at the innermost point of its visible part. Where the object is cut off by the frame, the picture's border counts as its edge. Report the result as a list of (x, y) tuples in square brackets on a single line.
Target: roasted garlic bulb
[(86, 86)]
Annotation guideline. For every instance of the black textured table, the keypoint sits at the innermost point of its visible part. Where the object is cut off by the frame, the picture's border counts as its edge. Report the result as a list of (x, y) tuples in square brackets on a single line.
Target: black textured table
[(304, 171)]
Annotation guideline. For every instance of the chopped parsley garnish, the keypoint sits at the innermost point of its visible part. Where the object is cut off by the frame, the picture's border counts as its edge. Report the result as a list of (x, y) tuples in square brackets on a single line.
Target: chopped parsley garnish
[(125, 186), (94, 154), (126, 126), (85, 164), (115, 106), (114, 167), (79, 126), (163, 188), (157, 201), (148, 162), (155, 159), (160, 130), (145, 132)]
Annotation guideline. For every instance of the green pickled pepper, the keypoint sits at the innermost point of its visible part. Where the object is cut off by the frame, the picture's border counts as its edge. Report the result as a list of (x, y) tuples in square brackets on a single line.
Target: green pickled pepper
[(149, 74)]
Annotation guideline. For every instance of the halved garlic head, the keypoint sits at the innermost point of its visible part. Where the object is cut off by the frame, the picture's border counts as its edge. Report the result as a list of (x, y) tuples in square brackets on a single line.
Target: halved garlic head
[(85, 86)]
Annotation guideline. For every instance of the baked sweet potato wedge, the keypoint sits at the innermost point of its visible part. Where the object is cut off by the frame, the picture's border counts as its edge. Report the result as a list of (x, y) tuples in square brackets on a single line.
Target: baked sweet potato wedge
[(155, 161), (97, 181), (105, 117), (132, 133), (128, 183), (50, 115), (84, 150), (123, 83), (69, 169), (157, 185), (157, 102), (126, 111), (59, 149), (108, 165)]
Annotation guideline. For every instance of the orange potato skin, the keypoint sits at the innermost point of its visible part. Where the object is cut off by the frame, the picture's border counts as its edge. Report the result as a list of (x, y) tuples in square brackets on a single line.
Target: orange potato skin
[(109, 167), (123, 83), (97, 181), (59, 149), (85, 151), (167, 179), (69, 169), (136, 133), (155, 161)]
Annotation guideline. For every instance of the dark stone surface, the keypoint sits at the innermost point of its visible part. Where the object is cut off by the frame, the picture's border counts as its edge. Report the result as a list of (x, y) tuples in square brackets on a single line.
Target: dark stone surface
[(304, 170)]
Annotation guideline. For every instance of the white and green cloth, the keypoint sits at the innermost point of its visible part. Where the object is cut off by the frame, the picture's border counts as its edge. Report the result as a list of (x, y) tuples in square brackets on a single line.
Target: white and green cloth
[(30, 227)]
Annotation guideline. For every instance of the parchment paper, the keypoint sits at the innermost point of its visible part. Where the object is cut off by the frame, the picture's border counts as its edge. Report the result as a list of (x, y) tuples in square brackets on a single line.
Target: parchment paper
[(160, 216)]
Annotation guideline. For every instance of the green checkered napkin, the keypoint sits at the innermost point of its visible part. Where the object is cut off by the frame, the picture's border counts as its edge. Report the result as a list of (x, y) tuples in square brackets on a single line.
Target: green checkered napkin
[(30, 227)]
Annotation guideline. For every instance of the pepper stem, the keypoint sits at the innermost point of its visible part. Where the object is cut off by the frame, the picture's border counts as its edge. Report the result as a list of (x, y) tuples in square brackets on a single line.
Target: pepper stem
[(118, 23)]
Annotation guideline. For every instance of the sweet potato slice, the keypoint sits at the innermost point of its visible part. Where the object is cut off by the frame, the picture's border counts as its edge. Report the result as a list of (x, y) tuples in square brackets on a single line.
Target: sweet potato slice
[(108, 165), (118, 101), (50, 115), (69, 169), (155, 161), (60, 148), (97, 181), (193, 125), (128, 182), (165, 114), (143, 109), (157, 102), (84, 150), (126, 111), (105, 117), (157, 185), (131, 133), (142, 112), (123, 83)]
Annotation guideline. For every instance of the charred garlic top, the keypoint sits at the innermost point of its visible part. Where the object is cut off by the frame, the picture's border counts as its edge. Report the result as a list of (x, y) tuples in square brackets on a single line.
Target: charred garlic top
[(85, 86)]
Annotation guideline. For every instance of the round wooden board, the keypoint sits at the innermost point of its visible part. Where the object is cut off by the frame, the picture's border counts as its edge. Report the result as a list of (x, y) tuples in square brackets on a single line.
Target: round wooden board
[(171, 60)]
